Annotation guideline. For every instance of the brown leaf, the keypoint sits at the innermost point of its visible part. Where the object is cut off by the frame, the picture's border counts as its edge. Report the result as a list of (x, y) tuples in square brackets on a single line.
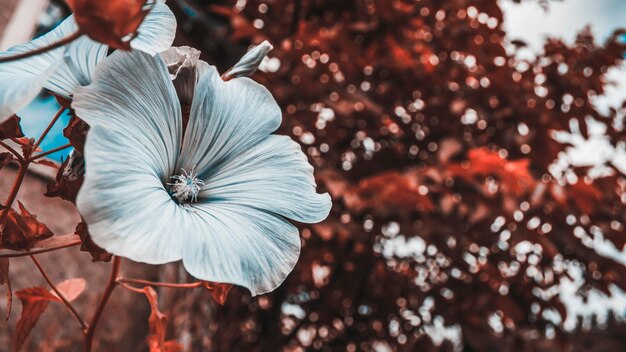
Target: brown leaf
[(34, 300), (11, 128), (21, 231), (112, 22), (219, 292), (4, 279), (69, 178), (76, 133), (157, 323), (88, 245)]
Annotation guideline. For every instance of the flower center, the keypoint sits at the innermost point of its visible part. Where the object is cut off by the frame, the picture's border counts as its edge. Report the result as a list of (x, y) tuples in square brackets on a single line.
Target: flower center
[(186, 186)]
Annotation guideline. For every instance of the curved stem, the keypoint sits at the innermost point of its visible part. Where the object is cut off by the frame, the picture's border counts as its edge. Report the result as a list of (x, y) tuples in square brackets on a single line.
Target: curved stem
[(159, 284), (11, 150), (45, 132), (16, 185), (89, 333), (48, 152), (54, 45), (67, 303), (39, 251)]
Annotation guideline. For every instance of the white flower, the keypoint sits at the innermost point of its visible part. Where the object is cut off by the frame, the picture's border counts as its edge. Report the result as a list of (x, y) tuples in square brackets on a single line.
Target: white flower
[(217, 198), (64, 69)]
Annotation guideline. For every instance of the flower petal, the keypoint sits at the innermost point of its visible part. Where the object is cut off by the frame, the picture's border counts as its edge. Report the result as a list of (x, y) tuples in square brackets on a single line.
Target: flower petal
[(182, 63), (229, 243), (157, 31), (130, 153), (127, 208), (249, 63), (22, 80), (226, 119), (78, 66), (132, 94), (273, 176)]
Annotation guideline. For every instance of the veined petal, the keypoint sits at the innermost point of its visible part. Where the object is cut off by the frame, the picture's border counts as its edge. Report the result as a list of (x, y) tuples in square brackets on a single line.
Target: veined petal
[(157, 31), (22, 80), (226, 119), (235, 244), (132, 94), (125, 204), (78, 66), (273, 176), (182, 63), (249, 63)]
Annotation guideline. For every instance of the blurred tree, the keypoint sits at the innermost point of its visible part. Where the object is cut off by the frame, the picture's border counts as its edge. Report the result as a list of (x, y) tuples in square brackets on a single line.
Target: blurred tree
[(453, 228)]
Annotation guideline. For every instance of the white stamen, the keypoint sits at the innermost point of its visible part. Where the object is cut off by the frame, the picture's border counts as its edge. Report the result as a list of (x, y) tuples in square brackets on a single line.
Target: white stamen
[(186, 186)]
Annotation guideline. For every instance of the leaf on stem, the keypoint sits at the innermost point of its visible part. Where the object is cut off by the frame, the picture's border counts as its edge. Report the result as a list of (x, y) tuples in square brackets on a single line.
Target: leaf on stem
[(112, 22), (88, 245), (21, 231), (76, 133), (219, 292), (69, 178), (11, 128), (157, 323), (35, 300)]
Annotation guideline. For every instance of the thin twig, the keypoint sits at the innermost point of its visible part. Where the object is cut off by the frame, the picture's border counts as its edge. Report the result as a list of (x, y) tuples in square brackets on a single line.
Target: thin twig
[(45, 132), (39, 251), (130, 287), (67, 303), (159, 284), (89, 333), (42, 50), (10, 149), (48, 152), (16, 185)]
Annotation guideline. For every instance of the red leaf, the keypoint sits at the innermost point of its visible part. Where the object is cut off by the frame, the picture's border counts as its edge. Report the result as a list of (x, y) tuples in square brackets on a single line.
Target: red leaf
[(157, 323), (88, 245), (21, 231), (514, 176), (388, 192), (34, 300), (11, 128), (110, 22), (4, 279), (219, 292)]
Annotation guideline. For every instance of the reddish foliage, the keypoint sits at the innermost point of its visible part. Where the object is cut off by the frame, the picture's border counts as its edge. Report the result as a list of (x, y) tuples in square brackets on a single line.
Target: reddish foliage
[(438, 136), (87, 244), (35, 300), (21, 231), (110, 22), (69, 178), (219, 292), (158, 326), (11, 128)]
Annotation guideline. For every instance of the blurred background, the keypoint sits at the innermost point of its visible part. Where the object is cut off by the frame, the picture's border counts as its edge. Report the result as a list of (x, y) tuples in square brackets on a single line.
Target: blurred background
[(476, 154)]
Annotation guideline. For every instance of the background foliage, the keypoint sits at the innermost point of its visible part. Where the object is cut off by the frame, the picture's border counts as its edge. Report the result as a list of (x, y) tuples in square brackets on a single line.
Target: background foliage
[(452, 228)]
